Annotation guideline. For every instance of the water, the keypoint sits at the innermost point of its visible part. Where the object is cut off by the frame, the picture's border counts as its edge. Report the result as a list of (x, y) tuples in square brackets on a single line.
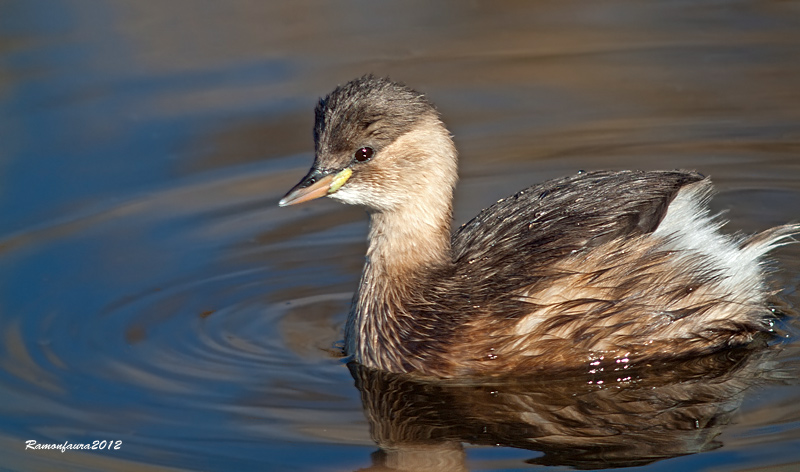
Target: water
[(153, 293)]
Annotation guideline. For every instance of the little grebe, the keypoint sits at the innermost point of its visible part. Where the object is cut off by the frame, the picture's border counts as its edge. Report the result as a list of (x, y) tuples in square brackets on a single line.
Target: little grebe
[(598, 266)]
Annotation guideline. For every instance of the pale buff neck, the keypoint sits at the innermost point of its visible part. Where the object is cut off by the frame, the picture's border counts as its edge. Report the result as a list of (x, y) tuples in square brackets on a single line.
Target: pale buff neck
[(414, 229), (405, 240)]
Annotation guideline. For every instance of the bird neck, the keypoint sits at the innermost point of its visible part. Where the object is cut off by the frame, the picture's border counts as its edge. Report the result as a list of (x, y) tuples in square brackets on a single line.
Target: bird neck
[(406, 243), (402, 252), (415, 231), (403, 242)]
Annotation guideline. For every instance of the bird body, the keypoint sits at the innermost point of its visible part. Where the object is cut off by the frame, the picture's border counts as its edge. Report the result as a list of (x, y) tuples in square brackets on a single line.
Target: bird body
[(597, 267)]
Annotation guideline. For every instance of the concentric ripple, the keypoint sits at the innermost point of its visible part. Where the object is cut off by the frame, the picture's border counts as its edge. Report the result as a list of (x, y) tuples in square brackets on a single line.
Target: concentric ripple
[(182, 313)]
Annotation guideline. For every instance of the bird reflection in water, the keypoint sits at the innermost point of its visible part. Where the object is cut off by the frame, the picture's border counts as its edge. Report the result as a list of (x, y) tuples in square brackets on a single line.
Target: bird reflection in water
[(617, 415)]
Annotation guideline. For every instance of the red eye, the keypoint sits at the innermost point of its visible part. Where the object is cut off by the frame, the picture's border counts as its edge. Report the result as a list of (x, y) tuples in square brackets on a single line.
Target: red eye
[(364, 154)]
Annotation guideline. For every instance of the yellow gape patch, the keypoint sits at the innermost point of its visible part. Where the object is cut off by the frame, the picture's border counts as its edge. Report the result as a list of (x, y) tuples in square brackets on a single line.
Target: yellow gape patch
[(340, 179)]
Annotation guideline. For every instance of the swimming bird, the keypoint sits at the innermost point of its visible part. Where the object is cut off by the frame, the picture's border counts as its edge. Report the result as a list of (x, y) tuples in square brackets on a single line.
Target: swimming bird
[(596, 267)]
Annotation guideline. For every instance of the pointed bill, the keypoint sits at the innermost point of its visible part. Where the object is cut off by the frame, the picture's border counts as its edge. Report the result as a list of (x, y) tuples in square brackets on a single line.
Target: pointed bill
[(314, 185)]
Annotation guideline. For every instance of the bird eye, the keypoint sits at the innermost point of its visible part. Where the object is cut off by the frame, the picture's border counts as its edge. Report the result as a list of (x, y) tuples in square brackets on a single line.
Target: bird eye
[(364, 154)]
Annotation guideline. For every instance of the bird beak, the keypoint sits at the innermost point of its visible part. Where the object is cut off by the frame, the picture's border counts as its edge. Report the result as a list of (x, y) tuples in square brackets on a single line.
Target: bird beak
[(314, 185)]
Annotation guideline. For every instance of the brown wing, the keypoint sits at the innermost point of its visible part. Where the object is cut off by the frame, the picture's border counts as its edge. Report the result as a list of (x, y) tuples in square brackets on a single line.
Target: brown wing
[(506, 245)]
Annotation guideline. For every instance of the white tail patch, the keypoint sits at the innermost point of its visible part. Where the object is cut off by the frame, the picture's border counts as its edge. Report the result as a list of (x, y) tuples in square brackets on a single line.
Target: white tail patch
[(689, 229)]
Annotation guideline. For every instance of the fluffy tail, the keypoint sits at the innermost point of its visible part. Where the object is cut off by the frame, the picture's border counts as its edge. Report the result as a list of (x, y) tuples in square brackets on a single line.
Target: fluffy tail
[(765, 241)]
